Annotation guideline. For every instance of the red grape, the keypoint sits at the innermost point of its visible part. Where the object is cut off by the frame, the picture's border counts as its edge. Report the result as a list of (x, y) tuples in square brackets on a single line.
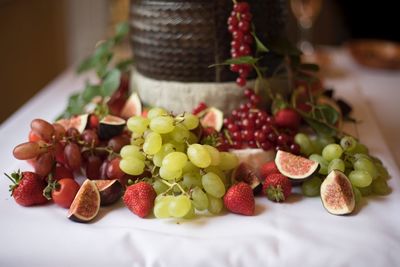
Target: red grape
[(28, 150), (92, 169), (73, 156), (42, 128)]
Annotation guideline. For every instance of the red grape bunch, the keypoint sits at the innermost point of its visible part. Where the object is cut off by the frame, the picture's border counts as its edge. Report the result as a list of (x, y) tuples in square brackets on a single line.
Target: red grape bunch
[(53, 149)]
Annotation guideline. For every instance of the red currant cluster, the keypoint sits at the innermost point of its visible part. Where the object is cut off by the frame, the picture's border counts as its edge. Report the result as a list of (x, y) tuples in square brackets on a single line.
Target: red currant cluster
[(239, 25), (251, 127)]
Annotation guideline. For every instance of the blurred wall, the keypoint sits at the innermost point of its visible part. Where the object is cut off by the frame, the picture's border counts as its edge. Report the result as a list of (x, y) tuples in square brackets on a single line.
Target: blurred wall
[(41, 38)]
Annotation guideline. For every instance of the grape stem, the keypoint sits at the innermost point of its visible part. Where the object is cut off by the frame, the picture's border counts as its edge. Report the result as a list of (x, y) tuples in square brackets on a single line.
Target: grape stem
[(171, 186)]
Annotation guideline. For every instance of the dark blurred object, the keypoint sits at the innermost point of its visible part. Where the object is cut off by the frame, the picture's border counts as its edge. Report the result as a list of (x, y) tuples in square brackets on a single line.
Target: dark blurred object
[(371, 19), (375, 53), (177, 40)]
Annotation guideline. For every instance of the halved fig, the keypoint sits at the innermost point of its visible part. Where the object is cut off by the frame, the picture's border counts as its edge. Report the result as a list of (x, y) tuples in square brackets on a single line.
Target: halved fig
[(293, 166), (337, 194), (110, 191), (79, 122), (111, 126), (214, 118), (86, 203), (254, 157), (132, 107), (244, 173)]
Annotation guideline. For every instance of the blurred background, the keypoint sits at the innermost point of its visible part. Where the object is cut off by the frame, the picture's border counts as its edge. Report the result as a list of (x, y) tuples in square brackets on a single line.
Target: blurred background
[(41, 38)]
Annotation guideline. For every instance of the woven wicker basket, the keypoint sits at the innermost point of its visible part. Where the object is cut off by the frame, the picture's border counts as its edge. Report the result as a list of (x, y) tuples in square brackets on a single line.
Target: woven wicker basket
[(176, 40)]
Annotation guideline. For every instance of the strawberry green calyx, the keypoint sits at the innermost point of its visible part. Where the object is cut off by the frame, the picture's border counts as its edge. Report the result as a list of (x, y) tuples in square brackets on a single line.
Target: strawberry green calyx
[(15, 178), (275, 193)]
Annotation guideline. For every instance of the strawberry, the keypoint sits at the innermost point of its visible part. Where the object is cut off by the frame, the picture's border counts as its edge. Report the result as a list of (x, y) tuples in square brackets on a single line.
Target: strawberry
[(240, 199), (139, 198), (268, 168), (277, 187), (287, 118), (27, 188)]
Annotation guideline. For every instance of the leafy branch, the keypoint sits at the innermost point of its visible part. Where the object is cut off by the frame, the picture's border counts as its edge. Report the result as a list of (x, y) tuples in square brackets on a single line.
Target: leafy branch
[(109, 76)]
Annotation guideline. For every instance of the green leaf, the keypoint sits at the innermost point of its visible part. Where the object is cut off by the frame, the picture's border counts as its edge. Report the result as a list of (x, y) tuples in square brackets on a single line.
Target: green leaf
[(121, 31), (260, 47), (240, 60), (90, 92), (309, 67), (327, 114), (124, 65), (111, 82), (101, 56), (319, 127), (75, 104)]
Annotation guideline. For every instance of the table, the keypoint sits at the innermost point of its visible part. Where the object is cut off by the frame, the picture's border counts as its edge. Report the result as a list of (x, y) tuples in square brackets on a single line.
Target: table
[(297, 232)]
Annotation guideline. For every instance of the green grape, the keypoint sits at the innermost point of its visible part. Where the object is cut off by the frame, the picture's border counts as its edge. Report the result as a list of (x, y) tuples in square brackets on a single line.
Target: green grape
[(200, 200), (189, 167), (131, 151), (161, 206), (191, 214), (199, 156), (192, 139), (215, 205), (360, 178), (192, 179), (366, 165), (306, 147), (174, 161), (159, 156), (360, 148), (162, 124), (180, 147), (220, 174), (138, 124), (348, 143), (190, 121), (137, 141), (132, 166), (358, 156), (179, 206), (366, 191), (382, 171), (214, 153), (332, 151), (169, 175), (336, 164), (156, 112), (357, 194), (228, 160), (152, 143), (323, 163), (160, 187), (213, 184), (311, 187), (179, 134), (380, 187)]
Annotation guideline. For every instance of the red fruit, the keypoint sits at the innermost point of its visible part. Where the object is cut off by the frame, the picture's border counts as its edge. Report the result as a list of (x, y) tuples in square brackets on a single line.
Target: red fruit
[(287, 118), (62, 172), (64, 191), (93, 121), (114, 171), (27, 188), (268, 169), (277, 187), (139, 198), (33, 137), (240, 199)]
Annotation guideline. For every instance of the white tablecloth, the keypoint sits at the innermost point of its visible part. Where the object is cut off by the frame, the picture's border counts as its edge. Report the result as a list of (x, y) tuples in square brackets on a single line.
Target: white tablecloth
[(296, 233)]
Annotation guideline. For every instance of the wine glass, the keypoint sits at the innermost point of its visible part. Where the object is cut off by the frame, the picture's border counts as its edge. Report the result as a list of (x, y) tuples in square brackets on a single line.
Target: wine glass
[(305, 12)]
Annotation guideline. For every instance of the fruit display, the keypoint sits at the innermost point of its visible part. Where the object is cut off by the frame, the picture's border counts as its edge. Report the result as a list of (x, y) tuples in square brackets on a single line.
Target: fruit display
[(107, 147)]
